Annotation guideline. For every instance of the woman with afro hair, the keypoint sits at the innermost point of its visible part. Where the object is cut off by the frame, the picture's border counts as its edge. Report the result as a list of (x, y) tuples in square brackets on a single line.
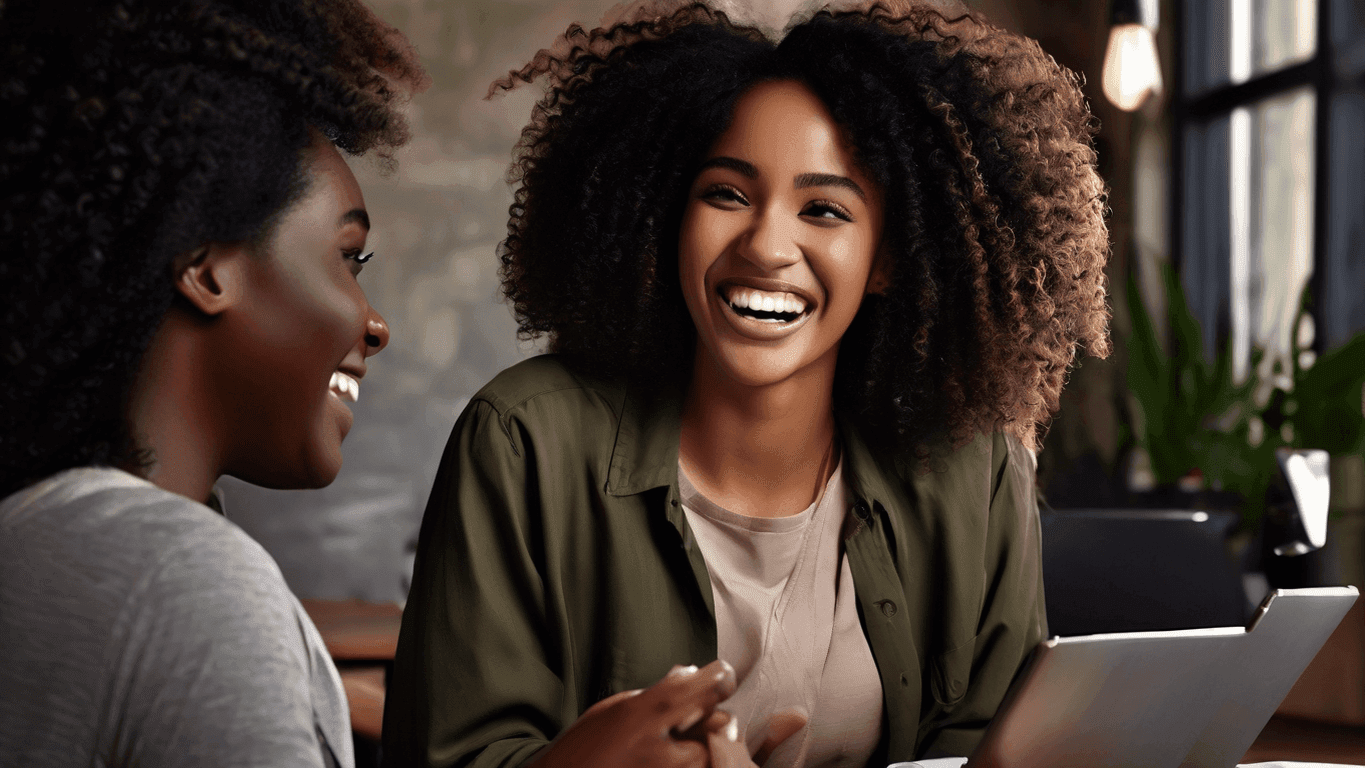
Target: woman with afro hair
[(809, 304), (183, 241)]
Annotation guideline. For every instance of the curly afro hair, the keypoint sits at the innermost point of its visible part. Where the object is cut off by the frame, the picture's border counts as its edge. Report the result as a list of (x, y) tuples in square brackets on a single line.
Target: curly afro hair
[(980, 142), (135, 131)]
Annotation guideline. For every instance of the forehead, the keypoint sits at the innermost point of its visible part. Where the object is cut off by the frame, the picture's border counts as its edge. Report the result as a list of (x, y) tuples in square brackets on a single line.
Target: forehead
[(320, 214), (783, 123), (329, 177)]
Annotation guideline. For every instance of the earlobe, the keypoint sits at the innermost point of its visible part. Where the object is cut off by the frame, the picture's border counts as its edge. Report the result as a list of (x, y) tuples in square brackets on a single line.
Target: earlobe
[(210, 277)]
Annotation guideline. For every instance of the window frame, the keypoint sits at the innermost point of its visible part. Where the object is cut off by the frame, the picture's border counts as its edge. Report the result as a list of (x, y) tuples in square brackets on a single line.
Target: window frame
[(1317, 72)]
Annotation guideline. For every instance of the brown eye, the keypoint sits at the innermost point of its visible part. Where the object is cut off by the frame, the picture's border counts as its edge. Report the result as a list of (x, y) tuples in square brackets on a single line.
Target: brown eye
[(827, 211), (725, 193), (357, 257)]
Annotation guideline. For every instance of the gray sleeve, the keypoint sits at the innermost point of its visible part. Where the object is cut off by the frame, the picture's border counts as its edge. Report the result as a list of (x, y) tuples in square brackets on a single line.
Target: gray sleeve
[(207, 663)]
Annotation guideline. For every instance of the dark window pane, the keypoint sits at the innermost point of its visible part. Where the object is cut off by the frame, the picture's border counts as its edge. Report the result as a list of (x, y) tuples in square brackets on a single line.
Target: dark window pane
[(1344, 271), (1205, 239), (1348, 37)]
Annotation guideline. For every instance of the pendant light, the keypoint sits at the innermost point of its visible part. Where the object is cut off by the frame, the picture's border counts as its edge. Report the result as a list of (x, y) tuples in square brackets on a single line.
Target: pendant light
[(1131, 68)]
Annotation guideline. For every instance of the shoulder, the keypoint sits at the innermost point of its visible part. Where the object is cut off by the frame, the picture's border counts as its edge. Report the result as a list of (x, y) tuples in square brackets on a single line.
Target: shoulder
[(958, 490), (168, 591), (989, 458), (117, 518), (122, 546), (547, 396), (550, 378)]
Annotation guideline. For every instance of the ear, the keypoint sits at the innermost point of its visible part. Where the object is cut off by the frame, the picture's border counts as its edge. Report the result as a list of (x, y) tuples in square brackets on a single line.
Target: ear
[(880, 277), (212, 277)]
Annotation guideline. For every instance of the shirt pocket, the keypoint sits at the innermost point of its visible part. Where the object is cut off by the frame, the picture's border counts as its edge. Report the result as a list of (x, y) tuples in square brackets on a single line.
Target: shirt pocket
[(950, 674)]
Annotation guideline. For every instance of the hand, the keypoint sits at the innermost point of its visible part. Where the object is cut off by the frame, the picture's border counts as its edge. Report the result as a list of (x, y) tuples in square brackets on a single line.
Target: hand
[(666, 725), (727, 752)]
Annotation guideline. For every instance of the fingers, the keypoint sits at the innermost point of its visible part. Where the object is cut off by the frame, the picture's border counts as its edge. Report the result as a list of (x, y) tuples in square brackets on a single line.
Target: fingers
[(714, 723), (727, 751), (780, 728), (719, 720), (686, 753), (688, 695)]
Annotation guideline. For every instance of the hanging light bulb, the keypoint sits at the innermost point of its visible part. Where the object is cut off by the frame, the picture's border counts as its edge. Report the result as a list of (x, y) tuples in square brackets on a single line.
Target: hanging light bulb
[(1131, 68)]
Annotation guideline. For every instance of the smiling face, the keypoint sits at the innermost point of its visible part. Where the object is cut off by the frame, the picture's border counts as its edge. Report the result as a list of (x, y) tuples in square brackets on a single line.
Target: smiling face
[(778, 241), (299, 340)]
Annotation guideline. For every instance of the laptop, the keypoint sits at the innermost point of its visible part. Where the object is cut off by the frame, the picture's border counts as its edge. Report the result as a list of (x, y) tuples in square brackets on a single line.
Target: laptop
[(1193, 698)]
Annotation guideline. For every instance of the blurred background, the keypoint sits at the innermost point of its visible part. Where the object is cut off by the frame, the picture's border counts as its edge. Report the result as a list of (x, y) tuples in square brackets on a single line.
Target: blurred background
[(1233, 143)]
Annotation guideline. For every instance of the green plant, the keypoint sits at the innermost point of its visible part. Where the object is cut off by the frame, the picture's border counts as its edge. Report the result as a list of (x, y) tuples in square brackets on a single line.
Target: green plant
[(1324, 405), (1190, 415)]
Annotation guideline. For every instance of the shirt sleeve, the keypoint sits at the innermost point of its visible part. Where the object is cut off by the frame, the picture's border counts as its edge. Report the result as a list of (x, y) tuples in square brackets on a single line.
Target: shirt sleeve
[(209, 663), (472, 684), (1013, 614)]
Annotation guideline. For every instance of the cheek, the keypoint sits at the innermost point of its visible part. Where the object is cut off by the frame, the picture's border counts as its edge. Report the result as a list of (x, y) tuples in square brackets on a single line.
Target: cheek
[(700, 243), (849, 267), (688, 247), (336, 312)]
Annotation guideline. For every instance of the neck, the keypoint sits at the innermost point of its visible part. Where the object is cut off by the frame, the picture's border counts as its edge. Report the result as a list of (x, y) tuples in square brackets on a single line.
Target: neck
[(761, 451), (170, 415)]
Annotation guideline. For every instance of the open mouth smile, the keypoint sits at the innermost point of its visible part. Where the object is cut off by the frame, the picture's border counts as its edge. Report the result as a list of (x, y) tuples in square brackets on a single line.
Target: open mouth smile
[(777, 307), (344, 386)]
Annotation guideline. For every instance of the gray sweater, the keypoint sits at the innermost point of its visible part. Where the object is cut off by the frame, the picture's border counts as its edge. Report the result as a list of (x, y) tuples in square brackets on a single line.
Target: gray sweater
[(138, 627)]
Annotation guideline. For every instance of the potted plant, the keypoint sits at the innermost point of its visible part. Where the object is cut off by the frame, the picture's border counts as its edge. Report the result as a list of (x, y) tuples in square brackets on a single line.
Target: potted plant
[(1196, 422)]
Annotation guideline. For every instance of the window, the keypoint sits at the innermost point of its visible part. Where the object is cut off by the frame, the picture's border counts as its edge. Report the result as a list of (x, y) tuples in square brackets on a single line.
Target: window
[(1269, 122)]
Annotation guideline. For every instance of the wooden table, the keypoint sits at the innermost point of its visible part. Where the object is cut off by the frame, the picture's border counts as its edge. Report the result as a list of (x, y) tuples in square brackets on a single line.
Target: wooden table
[(1323, 717), (362, 638)]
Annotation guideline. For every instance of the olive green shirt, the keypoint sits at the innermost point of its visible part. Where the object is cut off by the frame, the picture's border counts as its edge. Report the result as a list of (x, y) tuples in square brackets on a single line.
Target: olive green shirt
[(555, 567)]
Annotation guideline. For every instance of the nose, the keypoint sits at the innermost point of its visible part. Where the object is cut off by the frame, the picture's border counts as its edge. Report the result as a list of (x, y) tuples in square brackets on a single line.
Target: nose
[(770, 242), (376, 332)]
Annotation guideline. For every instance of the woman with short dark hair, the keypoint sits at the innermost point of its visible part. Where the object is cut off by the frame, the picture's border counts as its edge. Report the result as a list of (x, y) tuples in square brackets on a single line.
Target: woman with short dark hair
[(184, 240), (810, 304)]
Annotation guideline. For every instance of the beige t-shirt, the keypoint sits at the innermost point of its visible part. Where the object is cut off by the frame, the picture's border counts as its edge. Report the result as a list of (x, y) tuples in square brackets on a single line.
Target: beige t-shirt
[(787, 619)]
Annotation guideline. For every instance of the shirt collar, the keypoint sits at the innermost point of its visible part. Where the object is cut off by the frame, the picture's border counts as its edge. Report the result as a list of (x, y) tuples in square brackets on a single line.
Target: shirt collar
[(646, 452)]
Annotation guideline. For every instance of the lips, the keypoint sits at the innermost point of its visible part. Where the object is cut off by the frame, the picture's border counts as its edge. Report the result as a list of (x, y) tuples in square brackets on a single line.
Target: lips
[(344, 386)]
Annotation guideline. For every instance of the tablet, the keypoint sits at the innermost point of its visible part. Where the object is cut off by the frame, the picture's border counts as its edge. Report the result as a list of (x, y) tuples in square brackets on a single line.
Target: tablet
[(1192, 698)]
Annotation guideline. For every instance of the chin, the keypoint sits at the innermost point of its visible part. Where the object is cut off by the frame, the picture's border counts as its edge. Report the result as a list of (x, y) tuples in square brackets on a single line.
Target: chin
[(756, 369), (317, 468), (321, 472)]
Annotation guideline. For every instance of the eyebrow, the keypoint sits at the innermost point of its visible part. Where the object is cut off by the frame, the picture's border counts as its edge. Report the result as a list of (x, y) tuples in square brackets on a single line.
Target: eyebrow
[(802, 181), (355, 215), (829, 180), (747, 170)]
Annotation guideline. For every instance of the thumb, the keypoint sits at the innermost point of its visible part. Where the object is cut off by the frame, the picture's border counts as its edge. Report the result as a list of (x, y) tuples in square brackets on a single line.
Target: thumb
[(781, 727)]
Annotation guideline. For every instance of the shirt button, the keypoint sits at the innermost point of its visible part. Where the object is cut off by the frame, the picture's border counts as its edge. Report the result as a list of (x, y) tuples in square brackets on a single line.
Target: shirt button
[(888, 608), (861, 511)]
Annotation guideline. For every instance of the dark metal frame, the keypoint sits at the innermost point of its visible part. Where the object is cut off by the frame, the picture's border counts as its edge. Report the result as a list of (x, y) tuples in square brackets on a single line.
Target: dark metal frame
[(1317, 72)]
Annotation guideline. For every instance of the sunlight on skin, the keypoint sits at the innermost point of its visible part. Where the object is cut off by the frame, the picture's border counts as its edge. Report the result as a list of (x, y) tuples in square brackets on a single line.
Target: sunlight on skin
[(780, 210)]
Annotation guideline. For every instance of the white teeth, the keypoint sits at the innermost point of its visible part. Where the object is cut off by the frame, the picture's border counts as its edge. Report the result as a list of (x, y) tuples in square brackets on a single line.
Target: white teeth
[(345, 386), (771, 302)]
